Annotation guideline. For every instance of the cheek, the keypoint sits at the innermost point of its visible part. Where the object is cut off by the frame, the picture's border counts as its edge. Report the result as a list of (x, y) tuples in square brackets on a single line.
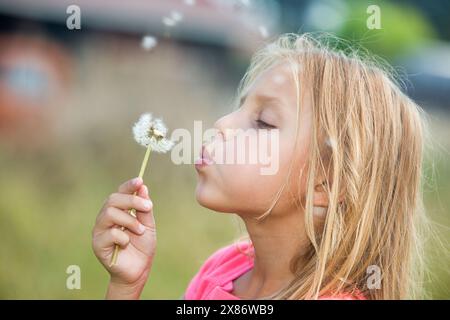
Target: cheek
[(242, 188), (298, 181), (246, 190)]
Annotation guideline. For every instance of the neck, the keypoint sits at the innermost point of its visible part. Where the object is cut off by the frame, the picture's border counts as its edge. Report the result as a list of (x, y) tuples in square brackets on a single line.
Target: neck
[(276, 240)]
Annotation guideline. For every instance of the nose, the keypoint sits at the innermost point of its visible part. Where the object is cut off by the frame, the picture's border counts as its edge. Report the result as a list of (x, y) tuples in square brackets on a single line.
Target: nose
[(224, 123), (220, 127)]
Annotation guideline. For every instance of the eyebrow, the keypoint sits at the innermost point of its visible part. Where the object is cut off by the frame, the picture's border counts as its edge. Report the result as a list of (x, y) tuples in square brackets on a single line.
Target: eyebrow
[(260, 97)]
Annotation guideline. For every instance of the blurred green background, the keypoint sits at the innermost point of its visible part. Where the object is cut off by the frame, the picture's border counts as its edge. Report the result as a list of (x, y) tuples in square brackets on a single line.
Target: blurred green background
[(68, 99)]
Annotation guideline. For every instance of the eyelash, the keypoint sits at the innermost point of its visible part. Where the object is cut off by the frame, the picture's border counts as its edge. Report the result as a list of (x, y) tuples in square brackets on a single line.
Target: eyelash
[(262, 124)]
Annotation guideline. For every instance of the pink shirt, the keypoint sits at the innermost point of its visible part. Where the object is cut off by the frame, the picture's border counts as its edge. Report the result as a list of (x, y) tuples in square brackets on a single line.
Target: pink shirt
[(214, 280)]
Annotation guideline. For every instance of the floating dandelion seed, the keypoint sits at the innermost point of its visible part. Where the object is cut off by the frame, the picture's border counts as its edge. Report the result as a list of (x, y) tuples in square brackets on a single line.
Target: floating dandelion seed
[(173, 18), (169, 21), (151, 133), (148, 42), (176, 16)]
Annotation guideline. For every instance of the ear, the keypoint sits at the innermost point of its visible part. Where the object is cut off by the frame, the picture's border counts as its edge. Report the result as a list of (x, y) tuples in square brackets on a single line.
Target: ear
[(321, 194)]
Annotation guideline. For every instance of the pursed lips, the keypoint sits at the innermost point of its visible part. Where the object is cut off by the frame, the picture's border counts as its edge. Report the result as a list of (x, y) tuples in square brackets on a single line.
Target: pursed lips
[(204, 158)]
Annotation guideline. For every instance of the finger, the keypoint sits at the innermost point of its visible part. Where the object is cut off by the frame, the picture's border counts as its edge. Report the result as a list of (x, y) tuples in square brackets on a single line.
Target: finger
[(127, 201), (146, 218), (112, 237), (143, 192), (130, 186), (113, 216)]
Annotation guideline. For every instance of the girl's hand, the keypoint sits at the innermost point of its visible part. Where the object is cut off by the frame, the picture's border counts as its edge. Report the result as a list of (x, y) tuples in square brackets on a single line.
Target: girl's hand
[(137, 242)]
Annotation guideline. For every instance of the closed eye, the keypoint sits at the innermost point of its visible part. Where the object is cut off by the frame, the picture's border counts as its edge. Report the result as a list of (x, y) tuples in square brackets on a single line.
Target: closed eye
[(264, 125)]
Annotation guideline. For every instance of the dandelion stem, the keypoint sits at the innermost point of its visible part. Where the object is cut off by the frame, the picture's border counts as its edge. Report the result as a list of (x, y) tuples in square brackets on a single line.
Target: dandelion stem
[(144, 162), (132, 211)]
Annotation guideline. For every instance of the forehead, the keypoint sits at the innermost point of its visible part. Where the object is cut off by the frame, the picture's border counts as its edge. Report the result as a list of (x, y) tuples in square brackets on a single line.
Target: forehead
[(278, 83)]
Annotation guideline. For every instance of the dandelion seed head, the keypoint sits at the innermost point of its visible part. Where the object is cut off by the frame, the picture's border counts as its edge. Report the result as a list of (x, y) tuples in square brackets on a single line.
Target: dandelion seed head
[(149, 131)]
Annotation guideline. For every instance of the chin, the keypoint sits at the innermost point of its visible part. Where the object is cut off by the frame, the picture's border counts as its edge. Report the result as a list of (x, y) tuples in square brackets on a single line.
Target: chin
[(206, 198)]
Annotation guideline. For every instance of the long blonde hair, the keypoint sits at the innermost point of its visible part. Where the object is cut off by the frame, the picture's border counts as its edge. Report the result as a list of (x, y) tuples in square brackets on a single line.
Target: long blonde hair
[(367, 139)]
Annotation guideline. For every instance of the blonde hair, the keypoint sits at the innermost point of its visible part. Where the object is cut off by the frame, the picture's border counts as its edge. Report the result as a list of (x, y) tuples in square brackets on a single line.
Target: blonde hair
[(367, 140)]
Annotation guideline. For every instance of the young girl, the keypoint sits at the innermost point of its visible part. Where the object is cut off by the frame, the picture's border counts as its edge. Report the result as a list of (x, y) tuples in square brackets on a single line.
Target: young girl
[(339, 218)]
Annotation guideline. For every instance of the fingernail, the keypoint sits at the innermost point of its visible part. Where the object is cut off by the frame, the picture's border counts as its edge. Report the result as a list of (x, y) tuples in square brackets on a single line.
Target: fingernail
[(147, 204), (141, 228), (146, 191)]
